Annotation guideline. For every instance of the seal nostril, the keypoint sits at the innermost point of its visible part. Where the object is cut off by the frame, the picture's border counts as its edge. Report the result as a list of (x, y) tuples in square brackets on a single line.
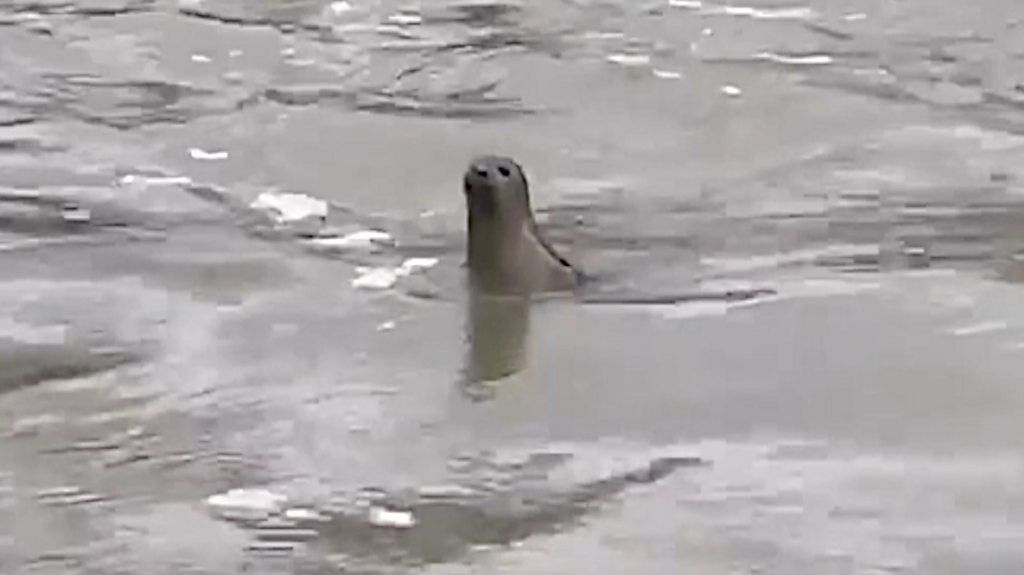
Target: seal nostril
[(479, 170), (504, 171)]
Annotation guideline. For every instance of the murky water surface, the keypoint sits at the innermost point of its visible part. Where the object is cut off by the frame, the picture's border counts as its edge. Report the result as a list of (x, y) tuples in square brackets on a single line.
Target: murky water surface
[(235, 337)]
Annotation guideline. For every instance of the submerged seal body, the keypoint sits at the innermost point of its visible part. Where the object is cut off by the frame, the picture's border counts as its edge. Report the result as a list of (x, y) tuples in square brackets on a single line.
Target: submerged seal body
[(506, 253)]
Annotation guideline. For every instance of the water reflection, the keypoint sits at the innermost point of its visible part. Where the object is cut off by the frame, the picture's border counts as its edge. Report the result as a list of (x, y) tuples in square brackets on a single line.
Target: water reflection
[(496, 330)]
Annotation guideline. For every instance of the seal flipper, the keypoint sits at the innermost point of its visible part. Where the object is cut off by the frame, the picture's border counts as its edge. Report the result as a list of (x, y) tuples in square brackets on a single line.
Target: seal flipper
[(544, 243)]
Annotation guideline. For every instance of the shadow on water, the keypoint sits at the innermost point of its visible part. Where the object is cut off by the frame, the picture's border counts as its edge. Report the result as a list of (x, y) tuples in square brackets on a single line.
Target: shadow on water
[(23, 365), (447, 527)]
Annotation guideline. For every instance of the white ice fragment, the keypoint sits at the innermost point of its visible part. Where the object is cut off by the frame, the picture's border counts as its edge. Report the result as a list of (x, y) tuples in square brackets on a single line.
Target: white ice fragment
[(382, 517), (630, 60), (375, 279), (201, 58), (445, 492), (781, 13), (385, 278), (168, 180), (131, 179), (980, 328), (201, 154), (290, 207), (807, 60), (301, 514), (340, 7), (405, 19), (731, 91), (61, 491), (74, 214), (667, 74), (362, 239), (415, 264), (246, 504)]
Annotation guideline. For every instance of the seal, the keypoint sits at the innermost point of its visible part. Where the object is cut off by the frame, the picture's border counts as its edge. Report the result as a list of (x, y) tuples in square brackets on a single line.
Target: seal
[(506, 253), (508, 256)]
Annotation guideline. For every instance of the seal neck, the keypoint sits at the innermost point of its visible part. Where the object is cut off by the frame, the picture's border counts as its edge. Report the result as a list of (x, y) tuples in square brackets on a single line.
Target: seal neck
[(492, 254)]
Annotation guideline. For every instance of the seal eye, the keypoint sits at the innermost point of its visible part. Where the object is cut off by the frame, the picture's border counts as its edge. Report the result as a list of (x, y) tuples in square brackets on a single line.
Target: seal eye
[(504, 171)]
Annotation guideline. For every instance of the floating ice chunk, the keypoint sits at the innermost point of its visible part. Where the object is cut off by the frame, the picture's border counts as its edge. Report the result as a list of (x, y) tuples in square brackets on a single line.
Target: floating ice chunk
[(340, 7), (201, 154), (361, 240), (21, 194), (688, 4), (405, 19), (246, 504), (290, 207), (980, 328), (129, 179), (631, 60), (780, 13), (76, 215), (415, 264), (667, 74), (731, 91), (302, 514), (67, 495), (806, 60), (375, 278), (201, 58), (382, 517), (446, 492), (273, 548), (385, 278)]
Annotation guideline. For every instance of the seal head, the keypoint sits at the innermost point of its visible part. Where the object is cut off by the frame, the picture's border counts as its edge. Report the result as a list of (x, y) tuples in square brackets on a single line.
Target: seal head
[(506, 253)]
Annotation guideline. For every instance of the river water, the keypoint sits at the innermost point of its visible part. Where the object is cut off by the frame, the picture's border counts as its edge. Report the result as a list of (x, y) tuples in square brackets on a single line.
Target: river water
[(235, 335)]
